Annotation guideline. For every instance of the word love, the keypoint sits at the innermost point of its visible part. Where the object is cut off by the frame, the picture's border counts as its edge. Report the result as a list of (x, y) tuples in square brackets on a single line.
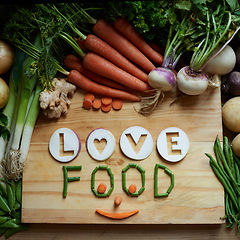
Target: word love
[(69, 141)]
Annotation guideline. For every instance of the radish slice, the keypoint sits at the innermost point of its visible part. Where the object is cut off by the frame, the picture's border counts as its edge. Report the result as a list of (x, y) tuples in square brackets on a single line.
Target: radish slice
[(71, 145), (100, 134), (180, 143), (136, 132)]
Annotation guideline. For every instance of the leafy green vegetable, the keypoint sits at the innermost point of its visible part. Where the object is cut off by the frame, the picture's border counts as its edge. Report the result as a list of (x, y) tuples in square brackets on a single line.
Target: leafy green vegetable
[(4, 131)]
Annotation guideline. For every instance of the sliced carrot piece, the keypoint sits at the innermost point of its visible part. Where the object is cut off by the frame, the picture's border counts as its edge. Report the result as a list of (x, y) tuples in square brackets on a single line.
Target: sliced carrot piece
[(132, 188), (116, 215), (117, 200), (106, 108), (117, 104), (87, 103), (89, 96), (97, 104), (102, 188), (106, 100)]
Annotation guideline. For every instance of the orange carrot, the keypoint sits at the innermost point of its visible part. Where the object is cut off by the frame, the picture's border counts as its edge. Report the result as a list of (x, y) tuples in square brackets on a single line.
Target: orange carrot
[(124, 27), (97, 104), (81, 44), (102, 48), (106, 108), (106, 100), (103, 67), (83, 82), (157, 48), (101, 188), (132, 188), (87, 103), (74, 63), (117, 215), (109, 34), (89, 96), (117, 104), (117, 200)]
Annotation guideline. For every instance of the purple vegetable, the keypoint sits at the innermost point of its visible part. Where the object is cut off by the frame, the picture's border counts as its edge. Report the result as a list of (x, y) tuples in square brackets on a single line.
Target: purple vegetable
[(161, 78), (233, 83)]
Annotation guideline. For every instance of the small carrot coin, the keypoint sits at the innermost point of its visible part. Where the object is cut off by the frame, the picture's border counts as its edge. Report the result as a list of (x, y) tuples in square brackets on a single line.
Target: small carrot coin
[(106, 100), (132, 188), (117, 200), (87, 103), (117, 104), (106, 108), (89, 96), (102, 188), (97, 104)]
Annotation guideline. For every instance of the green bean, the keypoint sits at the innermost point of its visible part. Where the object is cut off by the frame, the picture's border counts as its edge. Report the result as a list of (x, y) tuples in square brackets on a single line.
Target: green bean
[(2, 213), (126, 168), (65, 181), (21, 227), (3, 205), (226, 165), (16, 214), (234, 199), (8, 224), (19, 191), (17, 205), (141, 190), (132, 165), (74, 168), (2, 231), (141, 169), (72, 179), (3, 219), (136, 194), (102, 167), (171, 175), (10, 196), (3, 190), (69, 179)]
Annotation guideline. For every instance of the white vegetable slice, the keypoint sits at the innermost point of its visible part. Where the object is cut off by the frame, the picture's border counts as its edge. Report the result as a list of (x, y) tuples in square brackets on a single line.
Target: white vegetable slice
[(180, 143), (71, 144), (136, 132), (100, 134)]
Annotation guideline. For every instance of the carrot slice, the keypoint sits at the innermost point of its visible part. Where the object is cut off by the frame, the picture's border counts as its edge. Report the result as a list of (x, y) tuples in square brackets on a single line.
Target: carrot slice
[(87, 103), (89, 96), (117, 215), (117, 200), (106, 100), (117, 104), (97, 104), (132, 188), (102, 188), (106, 108)]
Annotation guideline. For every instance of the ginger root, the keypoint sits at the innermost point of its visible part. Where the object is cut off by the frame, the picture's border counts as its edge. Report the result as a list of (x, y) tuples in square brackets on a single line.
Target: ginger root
[(55, 103)]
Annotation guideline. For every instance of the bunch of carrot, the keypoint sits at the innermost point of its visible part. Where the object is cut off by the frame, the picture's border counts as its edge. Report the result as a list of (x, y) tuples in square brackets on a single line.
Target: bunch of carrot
[(115, 62), (103, 103)]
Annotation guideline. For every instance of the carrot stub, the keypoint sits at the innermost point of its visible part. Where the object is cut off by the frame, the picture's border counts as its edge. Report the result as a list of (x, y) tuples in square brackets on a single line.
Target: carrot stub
[(102, 188), (117, 200), (117, 104), (87, 103)]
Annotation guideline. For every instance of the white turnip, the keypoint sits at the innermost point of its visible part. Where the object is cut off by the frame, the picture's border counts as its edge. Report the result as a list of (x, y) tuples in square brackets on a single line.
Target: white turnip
[(4, 93), (6, 57), (223, 63), (191, 83)]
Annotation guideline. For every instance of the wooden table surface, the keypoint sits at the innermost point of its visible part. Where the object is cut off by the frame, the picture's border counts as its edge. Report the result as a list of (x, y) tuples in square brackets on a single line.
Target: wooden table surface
[(105, 232)]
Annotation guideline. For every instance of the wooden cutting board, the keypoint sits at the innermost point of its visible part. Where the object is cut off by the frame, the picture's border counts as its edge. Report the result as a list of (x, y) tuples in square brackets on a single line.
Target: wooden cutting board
[(197, 197)]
